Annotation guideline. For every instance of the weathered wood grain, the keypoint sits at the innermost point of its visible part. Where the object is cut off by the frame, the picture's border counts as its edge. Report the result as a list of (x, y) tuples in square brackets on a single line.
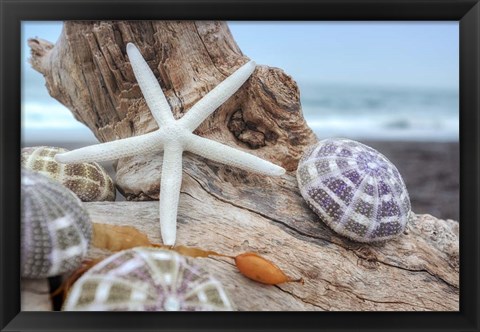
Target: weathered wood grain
[(417, 271)]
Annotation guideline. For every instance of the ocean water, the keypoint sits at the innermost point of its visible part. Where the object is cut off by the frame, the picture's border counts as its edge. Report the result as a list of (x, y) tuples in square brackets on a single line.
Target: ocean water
[(381, 113), (357, 112)]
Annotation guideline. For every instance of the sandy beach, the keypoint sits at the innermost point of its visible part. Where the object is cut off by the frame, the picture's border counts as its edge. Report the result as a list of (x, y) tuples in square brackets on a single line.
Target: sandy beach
[(429, 169)]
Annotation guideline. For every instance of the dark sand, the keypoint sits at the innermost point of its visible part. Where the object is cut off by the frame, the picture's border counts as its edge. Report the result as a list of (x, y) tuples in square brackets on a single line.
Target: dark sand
[(430, 171)]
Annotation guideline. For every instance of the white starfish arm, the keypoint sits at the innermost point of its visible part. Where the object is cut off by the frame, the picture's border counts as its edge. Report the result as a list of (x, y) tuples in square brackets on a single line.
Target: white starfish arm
[(170, 193), (227, 155), (112, 150), (156, 101), (216, 97)]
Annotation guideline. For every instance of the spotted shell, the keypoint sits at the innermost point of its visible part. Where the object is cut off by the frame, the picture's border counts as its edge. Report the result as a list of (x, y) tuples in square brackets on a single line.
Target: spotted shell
[(146, 279), (354, 189), (89, 181), (55, 227)]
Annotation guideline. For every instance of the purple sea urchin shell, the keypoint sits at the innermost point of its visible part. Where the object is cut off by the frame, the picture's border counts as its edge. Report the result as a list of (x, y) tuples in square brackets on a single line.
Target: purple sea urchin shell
[(146, 279), (354, 189), (55, 228)]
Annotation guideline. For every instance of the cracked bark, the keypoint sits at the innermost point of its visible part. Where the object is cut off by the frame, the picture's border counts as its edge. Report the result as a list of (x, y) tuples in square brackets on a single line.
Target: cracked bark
[(225, 209), (417, 271)]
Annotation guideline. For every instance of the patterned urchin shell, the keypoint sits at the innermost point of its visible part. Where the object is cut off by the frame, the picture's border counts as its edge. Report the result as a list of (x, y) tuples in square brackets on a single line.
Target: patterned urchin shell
[(146, 279), (354, 189), (89, 181), (55, 227)]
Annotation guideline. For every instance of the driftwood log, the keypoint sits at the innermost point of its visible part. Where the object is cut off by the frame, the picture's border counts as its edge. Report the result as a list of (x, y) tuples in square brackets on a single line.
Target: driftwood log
[(225, 209), (418, 271)]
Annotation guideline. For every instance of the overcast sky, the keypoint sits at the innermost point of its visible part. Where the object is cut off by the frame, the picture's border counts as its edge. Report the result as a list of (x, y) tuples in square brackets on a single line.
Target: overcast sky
[(377, 53)]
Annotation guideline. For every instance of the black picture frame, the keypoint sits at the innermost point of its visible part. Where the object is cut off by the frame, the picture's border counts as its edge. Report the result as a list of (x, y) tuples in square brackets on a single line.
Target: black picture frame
[(12, 12)]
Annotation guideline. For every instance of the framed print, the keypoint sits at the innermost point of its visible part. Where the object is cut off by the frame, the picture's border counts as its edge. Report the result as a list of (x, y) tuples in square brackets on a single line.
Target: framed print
[(238, 165)]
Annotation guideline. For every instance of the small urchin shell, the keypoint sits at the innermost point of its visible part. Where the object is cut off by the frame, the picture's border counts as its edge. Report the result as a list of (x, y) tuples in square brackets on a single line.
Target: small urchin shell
[(146, 279), (55, 227), (89, 181), (354, 189)]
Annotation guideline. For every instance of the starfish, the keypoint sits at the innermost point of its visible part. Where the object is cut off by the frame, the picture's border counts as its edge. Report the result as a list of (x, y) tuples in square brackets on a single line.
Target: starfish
[(173, 137)]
